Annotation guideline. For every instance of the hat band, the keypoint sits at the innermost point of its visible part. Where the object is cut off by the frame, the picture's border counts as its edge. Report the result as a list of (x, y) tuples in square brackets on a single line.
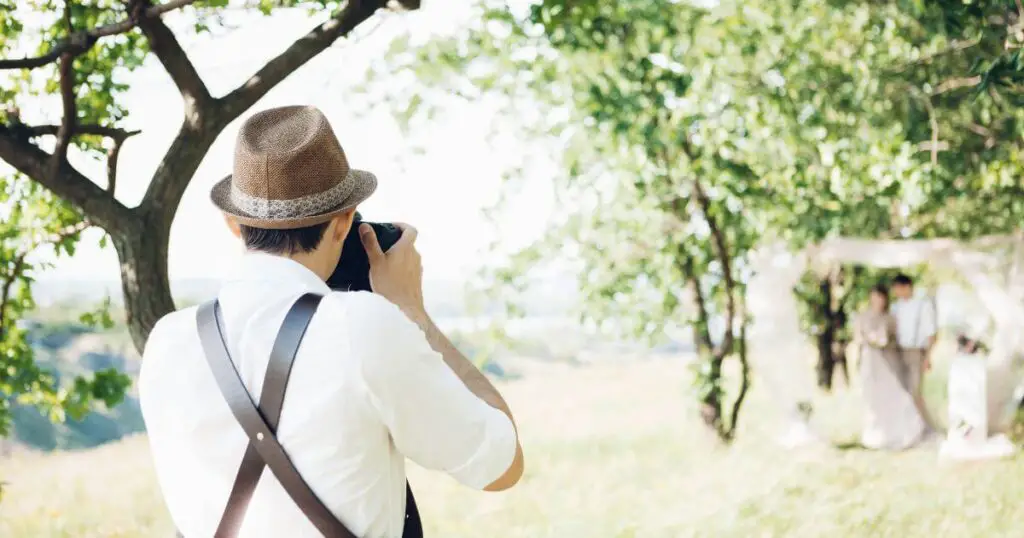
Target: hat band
[(295, 208)]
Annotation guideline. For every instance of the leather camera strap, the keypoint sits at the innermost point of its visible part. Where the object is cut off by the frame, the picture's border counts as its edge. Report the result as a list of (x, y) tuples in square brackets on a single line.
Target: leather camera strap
[(260, 423)]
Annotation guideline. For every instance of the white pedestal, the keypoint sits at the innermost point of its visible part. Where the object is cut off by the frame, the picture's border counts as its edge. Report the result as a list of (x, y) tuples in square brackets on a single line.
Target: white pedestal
[(997, 446), (968, 399), (968, 437)]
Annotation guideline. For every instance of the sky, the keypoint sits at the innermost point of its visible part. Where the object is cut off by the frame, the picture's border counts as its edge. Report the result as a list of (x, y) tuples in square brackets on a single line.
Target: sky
[(442, 191)]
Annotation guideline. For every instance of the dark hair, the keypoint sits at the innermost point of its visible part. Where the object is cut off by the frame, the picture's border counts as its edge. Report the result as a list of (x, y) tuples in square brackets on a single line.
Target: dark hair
[(283, 241), (902, 280), (881, 290)]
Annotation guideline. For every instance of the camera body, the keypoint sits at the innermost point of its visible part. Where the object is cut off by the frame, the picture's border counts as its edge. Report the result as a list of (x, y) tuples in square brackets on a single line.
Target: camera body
[(353, 270)]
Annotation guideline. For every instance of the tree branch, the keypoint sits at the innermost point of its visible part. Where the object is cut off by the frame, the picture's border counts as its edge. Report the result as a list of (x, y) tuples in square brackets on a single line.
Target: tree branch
[(703, 320), (19, 265), (933, 123), (955, 46), (67, 96), (984, 132), (112, 156), (980, 130), (167, 49), (172, 176), (193, 139), (718, 239), (688, 267), (718, 242), (301, 51), (5, 293), (99, 130), (933, 146), (116, 134), (82, 41), (734, 417), (956, 84), (98, 206)]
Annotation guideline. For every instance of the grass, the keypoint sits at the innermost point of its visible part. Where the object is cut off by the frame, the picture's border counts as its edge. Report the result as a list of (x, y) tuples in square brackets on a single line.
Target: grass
[(613, 450)]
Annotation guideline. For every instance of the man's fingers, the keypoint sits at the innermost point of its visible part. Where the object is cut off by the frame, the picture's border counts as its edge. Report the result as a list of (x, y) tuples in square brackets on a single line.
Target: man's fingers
[(369, 239), (408, 234)]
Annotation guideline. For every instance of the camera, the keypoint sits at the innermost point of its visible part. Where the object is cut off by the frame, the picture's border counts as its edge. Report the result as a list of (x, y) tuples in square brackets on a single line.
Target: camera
[(353, 270)]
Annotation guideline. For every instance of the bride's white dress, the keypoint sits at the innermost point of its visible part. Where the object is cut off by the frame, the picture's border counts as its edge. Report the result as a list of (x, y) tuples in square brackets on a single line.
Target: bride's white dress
[(892, 421)]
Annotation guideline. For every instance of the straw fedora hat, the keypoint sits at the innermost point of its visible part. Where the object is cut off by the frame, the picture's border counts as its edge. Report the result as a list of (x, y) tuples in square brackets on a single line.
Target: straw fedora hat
[(290, 172)]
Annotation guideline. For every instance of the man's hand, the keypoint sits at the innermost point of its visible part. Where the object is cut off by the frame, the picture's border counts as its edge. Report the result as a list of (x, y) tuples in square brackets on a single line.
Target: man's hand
[(397, 275)]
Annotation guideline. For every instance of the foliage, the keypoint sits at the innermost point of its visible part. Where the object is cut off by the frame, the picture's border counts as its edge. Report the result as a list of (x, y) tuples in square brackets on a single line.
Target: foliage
[(22, 380), (995, 27), (948, 134), (689, 134), (67, 68), (660, 201)]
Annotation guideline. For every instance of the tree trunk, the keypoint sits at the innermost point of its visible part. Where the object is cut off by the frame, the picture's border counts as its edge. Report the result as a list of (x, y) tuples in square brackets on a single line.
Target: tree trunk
[(147, 289), (839, 360), (711, 376), (826, 335), (711, 403), (741, 354)]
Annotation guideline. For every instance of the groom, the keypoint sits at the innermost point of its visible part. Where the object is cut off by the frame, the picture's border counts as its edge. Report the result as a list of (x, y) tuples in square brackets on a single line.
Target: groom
[(915, 333)]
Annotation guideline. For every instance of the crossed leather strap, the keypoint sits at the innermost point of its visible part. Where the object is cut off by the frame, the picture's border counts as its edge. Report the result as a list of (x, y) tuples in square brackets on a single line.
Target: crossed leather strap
[(260, 423)]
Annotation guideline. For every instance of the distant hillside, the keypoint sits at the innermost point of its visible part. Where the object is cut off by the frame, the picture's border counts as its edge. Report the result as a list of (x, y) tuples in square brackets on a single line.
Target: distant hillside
[(69, 350), (445, 297), (550, 333)]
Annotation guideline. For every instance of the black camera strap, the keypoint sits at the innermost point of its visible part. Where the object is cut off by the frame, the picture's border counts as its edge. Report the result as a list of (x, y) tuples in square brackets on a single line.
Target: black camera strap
[(260, 423)]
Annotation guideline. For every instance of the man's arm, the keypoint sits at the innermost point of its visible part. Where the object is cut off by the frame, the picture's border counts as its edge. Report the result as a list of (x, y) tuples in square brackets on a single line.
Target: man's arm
[(928, 327), (397, 275), (478, 384)]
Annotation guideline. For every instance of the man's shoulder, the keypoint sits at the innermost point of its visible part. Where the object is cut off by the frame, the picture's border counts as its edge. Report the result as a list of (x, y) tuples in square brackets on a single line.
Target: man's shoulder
[(171, 327), (164, 347), (373, 323), (378, 332), (361, 307)]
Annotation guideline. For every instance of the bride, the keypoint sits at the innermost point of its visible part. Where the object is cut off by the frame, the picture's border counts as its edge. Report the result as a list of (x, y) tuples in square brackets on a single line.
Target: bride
[(892, 421)]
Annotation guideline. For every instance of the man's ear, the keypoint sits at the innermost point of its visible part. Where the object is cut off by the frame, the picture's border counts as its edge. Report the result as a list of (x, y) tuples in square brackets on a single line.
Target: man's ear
[(233, 226), (343, 223)]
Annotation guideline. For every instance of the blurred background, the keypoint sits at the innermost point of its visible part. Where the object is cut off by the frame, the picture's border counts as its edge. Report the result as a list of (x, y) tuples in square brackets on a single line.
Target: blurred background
[(619, 204)]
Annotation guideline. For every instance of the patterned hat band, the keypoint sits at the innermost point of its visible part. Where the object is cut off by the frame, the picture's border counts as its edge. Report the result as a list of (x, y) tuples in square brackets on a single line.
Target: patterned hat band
[(296, 208)]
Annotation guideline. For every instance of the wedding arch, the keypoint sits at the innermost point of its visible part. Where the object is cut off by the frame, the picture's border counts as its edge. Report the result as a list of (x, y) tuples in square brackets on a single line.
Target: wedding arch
[(993, 268)]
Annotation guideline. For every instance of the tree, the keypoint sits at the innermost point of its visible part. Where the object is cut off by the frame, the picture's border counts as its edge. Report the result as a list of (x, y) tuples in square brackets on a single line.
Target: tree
[(659, 196), (961, 138), (81, 52), (689, 134), (994, 28), (34, 221)]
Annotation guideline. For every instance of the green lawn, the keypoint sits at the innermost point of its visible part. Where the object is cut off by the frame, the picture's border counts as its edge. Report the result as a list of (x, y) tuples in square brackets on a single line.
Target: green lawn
[(612, 451)]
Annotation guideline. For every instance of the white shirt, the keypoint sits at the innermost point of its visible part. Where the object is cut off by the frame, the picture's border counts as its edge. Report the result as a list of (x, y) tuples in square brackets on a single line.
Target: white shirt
[(915, 322), (366, 391)]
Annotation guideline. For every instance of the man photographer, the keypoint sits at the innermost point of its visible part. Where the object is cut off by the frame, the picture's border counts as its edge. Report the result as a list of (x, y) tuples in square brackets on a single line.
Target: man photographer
[(373, 382)]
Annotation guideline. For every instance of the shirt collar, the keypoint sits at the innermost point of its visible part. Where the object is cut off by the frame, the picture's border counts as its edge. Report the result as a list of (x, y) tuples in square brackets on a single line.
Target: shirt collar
[(260, 266)]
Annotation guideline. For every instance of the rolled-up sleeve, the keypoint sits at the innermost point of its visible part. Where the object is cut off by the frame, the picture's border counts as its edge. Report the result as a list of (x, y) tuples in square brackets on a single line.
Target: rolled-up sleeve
[(433, 418)]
